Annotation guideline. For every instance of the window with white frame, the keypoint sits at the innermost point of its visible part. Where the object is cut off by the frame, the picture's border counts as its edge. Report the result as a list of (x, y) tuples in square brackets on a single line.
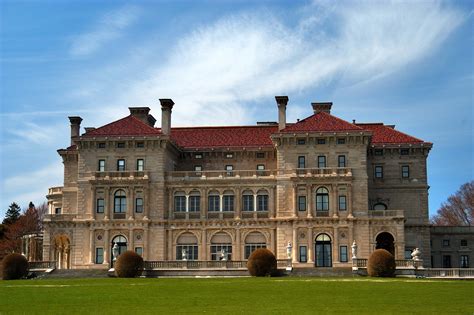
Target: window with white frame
[(221, 252), (120, 201), (140, 165), (120, 165), (228, 202), (322, 199), (262, 201), (101, 166), (187, 252), (341, 161)]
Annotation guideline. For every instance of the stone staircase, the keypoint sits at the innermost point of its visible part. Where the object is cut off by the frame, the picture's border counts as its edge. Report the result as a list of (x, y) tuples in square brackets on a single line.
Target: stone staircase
[(321, 272), (74, 274)]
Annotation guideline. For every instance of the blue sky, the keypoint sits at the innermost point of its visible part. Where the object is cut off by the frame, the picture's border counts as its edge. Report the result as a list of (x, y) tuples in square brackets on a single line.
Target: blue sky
[(222, 62)]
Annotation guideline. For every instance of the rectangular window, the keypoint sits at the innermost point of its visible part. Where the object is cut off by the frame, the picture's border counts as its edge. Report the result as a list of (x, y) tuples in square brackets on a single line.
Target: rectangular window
[(249, 248), (121, 165), (194, 203), (247, 202), (214, 201), (179, 203), (342, 203), (260, 155), (198, 170), (229, 155), (99, 255), (101, 145), (445, 243), (405, 171), (408, 253), (303, 254), (301, 141), (187, 252), (464, 263), (343, 254), (446, 261), (378, 171), (139, 250), (198, 156), (140, 165), (378, 152), (262, 203), (100, 205), (301, 203), (57, 210), (321, 161), (101, 166), (138, 205), (321, 141), (341, 141), (140, 145), (260, 169), (229, 169), (404, 151), (463, 242), (228, 203), (221, 252), (121, 145), (341, 161), (301, 162), (120, 204)]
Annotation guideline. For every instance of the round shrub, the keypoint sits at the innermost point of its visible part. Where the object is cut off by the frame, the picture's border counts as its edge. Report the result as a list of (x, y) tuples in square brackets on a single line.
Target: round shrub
[(14, 266), (381, 264), (262, 263), (128, 265)]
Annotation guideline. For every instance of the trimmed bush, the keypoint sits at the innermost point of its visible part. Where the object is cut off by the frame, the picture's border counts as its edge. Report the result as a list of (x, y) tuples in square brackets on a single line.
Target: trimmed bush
[(381, 264), (14, 266), (262, 263), (128, 265)]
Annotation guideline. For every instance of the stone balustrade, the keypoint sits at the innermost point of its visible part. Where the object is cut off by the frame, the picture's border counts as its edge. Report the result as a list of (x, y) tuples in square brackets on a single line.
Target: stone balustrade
[(204, 264)]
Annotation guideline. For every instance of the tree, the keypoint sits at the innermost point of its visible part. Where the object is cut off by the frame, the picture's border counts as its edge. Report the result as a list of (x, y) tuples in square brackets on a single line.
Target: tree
[(12, 214), (458, 209)]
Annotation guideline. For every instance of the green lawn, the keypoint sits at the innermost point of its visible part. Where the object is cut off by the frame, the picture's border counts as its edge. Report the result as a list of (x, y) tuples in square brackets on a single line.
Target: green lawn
[(237, 295)]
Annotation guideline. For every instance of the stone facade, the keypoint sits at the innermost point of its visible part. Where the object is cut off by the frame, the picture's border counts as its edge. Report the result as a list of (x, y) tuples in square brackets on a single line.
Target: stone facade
[(209, 193), (452, 246)]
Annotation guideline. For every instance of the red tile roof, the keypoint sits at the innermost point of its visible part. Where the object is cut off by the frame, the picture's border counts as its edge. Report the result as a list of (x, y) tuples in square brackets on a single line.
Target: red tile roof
[(382, 134), (128, 126), (209, 137), (321, 122)]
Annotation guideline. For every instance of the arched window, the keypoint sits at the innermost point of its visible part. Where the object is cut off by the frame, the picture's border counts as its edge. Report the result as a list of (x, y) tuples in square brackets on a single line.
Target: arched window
[(187, 247), (221, 246), (253, 241), (120, 201), (247, 200), (380, 206), (121, 243), (322, 199), (228, 201), (262, 200)]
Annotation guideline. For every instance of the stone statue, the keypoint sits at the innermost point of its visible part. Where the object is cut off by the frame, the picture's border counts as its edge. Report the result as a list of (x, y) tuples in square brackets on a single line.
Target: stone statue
[(415, 255), (223, 254), (289, 248), (184, 254), (354, 250), (115, 251)]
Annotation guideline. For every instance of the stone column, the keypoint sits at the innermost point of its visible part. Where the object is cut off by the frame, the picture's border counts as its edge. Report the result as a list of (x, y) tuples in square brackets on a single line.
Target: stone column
[(238, 207), (91, 245), (336, 245), (238, 245), (294, 250), (309, 199), (146, 202), (131, 211), (295, 200), (106, 247), (187, 206), (204, 201), (146, 243), (271, 203), (310, 245), (254, 201), (92, 203), (171, 204), (131, 239), (221, 199), (203, 249), (107, 202), (349, 201), (332, 201)]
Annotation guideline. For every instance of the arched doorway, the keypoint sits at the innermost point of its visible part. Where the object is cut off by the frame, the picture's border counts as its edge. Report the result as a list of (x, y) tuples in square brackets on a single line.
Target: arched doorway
[(62, 247), (121, 242), (385, 241), (323, 251)]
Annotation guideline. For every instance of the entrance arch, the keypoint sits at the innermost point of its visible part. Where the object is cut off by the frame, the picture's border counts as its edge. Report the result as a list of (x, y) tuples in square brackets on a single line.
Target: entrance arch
[(385, 241), (62, 248), (121, 242), (323, 251)]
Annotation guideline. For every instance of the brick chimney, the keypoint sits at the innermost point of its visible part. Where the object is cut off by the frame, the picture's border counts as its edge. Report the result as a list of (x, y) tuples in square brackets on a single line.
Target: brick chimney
[(322, 107), (281, 101), (166, 107), (142, 113), (75, 127)]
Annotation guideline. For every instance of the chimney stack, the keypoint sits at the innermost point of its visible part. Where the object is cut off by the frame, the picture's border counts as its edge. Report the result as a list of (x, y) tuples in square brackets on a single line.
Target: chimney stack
[(166, 107), (142, 113), (75, 127), (281, 101), (322, 107)]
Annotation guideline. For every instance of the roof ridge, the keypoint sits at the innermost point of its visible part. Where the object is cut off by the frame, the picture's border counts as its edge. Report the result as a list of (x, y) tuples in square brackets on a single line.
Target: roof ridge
[(340, 119), (220, 127)]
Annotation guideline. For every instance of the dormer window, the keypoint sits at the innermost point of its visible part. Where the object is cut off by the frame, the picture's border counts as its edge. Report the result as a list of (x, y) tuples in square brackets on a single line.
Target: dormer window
[(101, 145), (140, 144), (260, 155)]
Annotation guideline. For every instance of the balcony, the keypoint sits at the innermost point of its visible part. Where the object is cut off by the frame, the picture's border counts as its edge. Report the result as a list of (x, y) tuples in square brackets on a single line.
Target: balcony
[(55, 190), (318, 172), (203, 175), (386, 213), (120, 175), (59, 217)]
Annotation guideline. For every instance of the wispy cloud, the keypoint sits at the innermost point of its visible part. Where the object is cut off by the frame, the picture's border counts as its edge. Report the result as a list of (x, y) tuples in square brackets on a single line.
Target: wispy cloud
[(108, 28), (251, 57)]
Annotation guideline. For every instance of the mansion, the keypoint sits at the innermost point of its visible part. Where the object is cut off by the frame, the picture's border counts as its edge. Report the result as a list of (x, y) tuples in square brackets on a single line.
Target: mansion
[(218, 193)]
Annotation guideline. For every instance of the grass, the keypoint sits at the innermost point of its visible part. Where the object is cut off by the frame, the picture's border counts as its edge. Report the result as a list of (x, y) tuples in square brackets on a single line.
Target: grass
[(237, 295)]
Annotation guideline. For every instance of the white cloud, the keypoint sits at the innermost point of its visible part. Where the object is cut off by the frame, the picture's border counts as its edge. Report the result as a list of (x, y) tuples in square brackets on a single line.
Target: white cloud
[(211, 72), (108, 28)]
